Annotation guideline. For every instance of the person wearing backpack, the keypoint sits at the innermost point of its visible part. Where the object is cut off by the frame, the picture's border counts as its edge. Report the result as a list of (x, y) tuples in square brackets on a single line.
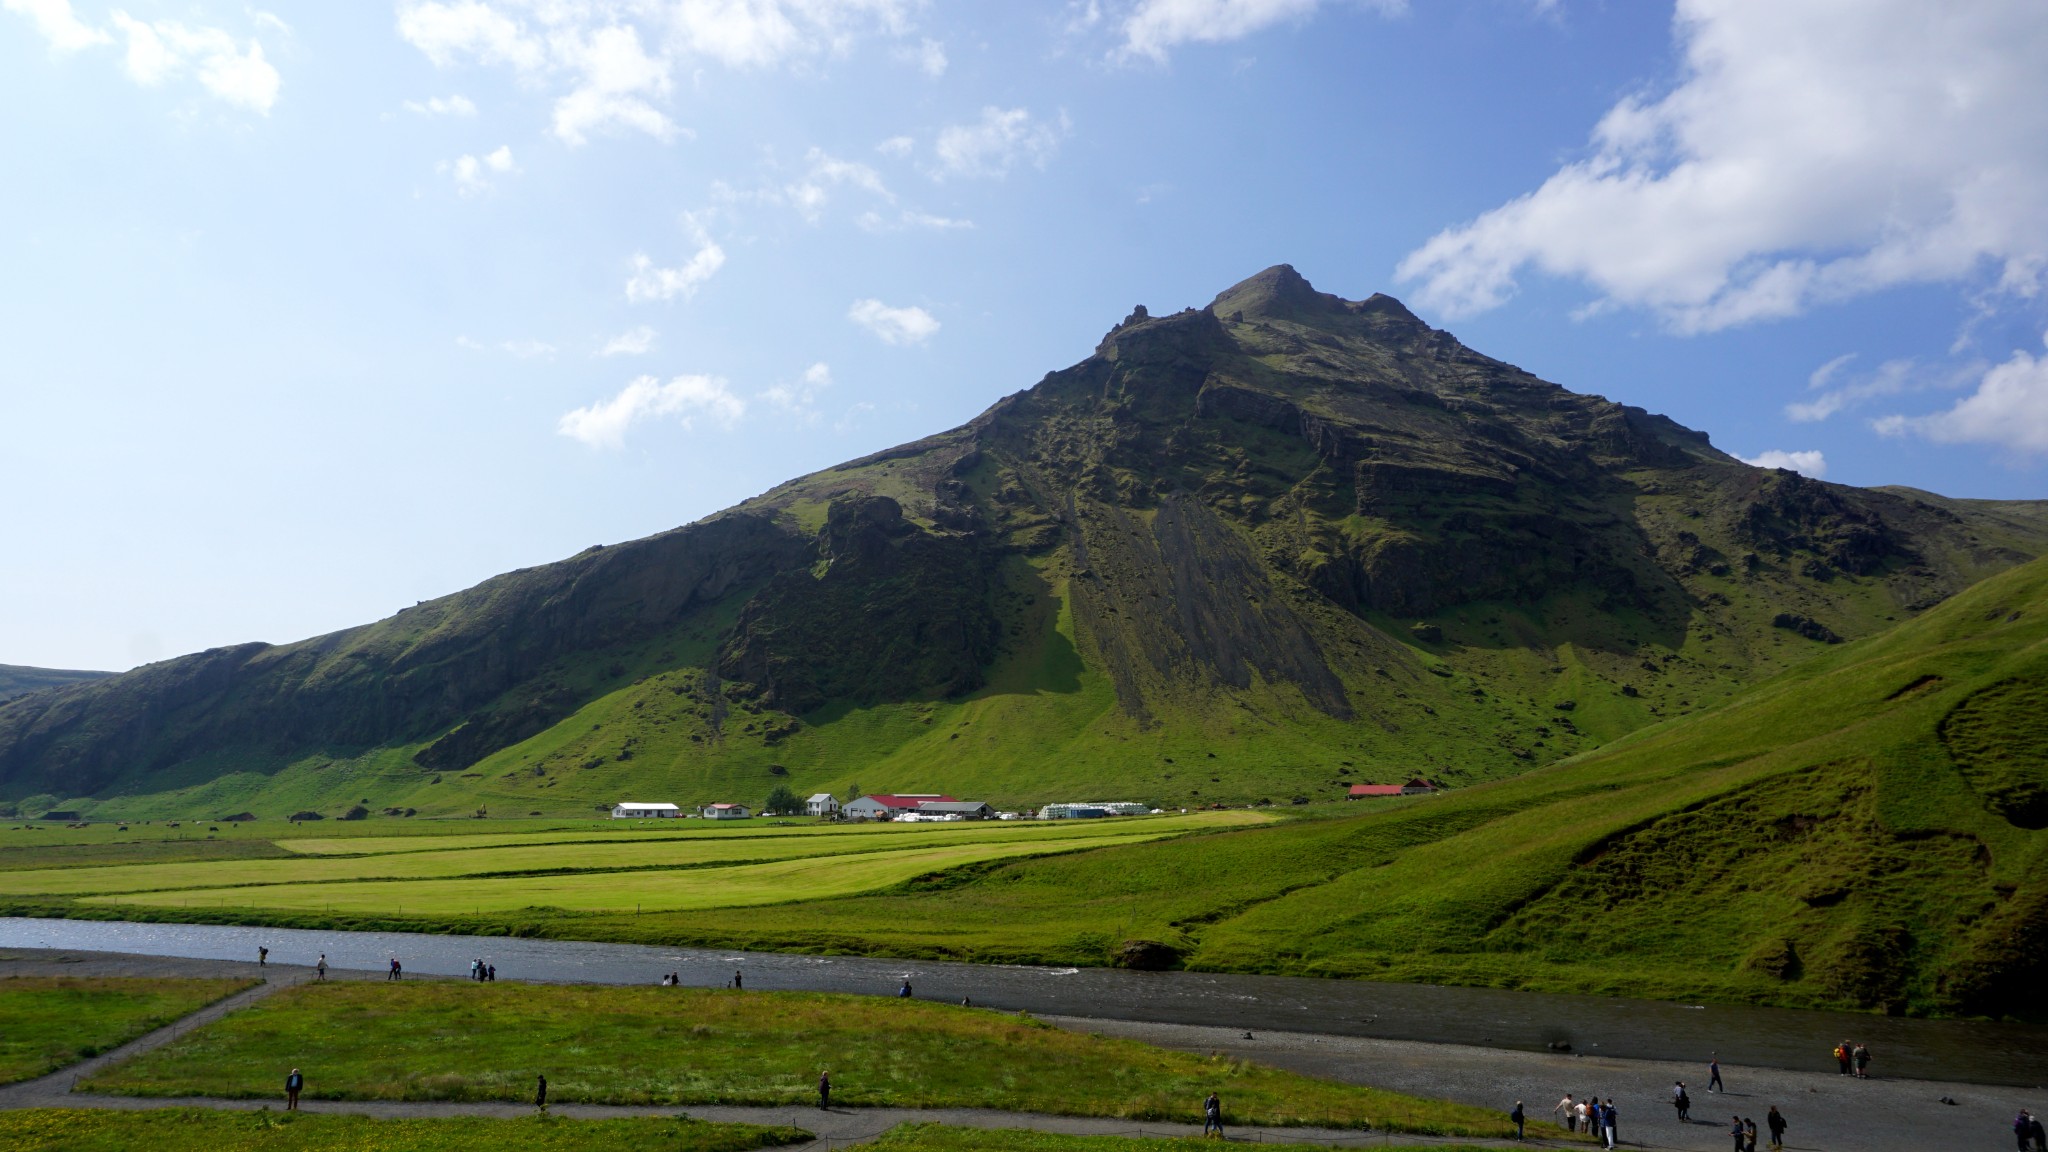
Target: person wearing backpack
[(1519, 1119), (1775, 1121)]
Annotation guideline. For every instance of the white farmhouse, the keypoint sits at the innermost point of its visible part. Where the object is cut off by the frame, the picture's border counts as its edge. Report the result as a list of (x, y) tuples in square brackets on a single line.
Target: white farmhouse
[(725, 812), (635, 810), (823, 804)]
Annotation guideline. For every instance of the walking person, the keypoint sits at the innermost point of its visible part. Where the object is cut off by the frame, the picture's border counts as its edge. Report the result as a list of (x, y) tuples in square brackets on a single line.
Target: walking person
[(393, 973), (1775, 1121), (1736, 1130), (824, 1091), (1212, 1114), (1681, 1102), (1748, 1135), (491, 973), (476, 970), (737, 982), (1586, 1113), (540, 1092), (1567, 1108), (293, 1085), (2040, 1134), (1519, 1119), (262, 956), (1610, 1124), (1714, 1075), (1842, 1052), (1862, 1061), (320, 968)]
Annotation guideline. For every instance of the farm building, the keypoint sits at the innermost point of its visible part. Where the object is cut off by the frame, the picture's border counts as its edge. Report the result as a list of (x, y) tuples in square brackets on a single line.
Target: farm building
[(890, 806), (725, 812), (634, 810), (1091, 809), (823, 804), (963, 809)]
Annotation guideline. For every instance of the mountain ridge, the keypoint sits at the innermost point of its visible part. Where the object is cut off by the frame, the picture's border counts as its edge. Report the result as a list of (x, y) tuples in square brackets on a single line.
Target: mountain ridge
[(1283, 518)]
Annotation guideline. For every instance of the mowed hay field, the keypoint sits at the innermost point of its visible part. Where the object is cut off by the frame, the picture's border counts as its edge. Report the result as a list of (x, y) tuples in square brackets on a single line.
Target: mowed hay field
[(606, 871), (663, 1046)]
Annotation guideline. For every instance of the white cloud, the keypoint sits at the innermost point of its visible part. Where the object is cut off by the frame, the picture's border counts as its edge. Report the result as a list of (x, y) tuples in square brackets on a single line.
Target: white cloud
[(912, 325), (908, 219), (997, 142), (651, 283), (1811, 152), (618, 78), (472, 173), (1805, 463), (897, 146), (929, 56), (58, 24), (1155, 26), (163, 49), (2009, 409), (635, 342), (810, 194), (799, 398), (442, 106), (528, 349), (613, 62), (604, 423)]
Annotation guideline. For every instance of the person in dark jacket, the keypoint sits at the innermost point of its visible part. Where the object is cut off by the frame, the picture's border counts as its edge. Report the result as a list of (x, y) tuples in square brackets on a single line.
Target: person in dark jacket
[(1738, 1131), (824, 1090), (1775, 1121), (2040, 1134), (293, 1085), (1714, 1075), (1212, 1115), (540, 1092), (1682, 1102), (1519, 1119)]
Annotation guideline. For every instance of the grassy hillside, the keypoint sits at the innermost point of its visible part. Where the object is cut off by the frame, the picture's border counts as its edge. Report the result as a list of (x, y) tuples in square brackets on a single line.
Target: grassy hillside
[(1865, 830), (1258, 550), (18, 679)]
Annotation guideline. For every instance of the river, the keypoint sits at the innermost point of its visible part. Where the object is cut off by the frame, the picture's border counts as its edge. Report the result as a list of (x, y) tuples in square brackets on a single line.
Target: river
[(2010, 1054)]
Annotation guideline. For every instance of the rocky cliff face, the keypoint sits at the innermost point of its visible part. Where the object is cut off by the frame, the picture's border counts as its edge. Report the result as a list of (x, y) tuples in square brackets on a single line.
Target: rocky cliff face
[(1323, 505)]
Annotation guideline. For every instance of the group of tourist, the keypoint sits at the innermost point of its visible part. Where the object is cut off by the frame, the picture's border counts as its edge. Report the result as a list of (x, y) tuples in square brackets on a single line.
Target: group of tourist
[(479, 971), (1853, 1059), (1591, 1115), (2027, 1129), (1744, 1130)]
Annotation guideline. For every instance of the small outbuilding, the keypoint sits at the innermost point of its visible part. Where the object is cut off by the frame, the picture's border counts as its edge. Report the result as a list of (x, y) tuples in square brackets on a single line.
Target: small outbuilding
[(636, 810), (960, 809), (823, 804)]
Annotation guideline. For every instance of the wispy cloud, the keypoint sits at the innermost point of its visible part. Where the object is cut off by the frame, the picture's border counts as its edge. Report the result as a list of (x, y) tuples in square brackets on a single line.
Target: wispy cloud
[(473, 173), (1154, 27), (909, 219), (1000, 140), (799, 397), (58, 24), (604, 424), (457, 105), (928, 55), (649, 282), (898, 326), (633, 342)]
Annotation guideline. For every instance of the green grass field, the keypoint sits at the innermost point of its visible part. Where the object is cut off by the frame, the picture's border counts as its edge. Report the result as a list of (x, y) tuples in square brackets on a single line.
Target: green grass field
[(951, 1138), (49, 1022), (447, 1041), (201, 1130), (582, 872)]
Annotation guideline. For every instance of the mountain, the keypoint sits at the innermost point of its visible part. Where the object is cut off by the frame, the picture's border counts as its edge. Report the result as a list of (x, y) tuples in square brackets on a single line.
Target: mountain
[(19, 679), (1255, 550), (1868, 829)]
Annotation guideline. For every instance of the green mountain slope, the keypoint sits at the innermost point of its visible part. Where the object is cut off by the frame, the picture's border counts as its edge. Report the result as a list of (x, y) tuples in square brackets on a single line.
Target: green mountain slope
[(1256, 550), (19, 679), (1865, 830)]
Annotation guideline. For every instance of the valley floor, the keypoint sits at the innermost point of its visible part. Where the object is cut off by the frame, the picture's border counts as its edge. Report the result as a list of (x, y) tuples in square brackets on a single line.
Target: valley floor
[(1827, 1112)]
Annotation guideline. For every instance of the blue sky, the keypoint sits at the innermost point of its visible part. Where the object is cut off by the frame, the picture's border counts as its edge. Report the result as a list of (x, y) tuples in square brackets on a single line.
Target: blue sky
[(314, 311)]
